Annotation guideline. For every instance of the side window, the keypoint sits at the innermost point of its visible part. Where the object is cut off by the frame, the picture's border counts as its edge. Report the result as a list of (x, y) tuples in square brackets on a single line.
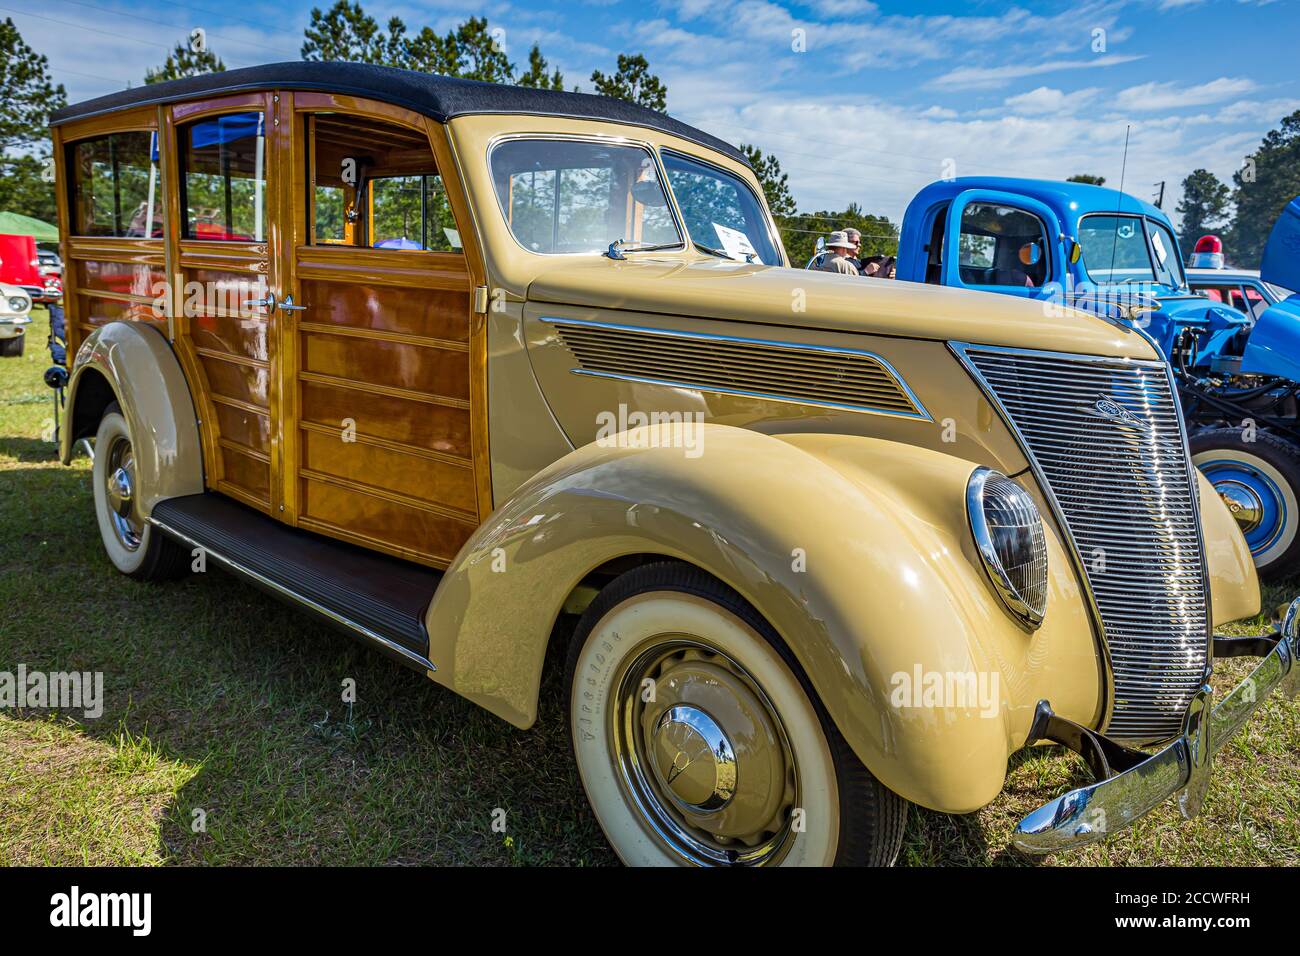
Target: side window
[(117, 187), (561, 196), (375, 185), (223, 177), (1002, 246)]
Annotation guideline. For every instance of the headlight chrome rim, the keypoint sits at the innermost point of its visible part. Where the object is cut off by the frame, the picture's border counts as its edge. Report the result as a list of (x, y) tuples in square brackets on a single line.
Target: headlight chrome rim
[(18, 303), (1028, 609)]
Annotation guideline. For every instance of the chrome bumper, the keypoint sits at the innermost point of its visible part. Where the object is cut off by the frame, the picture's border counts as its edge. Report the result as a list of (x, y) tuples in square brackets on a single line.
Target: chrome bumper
[(1093, 813)]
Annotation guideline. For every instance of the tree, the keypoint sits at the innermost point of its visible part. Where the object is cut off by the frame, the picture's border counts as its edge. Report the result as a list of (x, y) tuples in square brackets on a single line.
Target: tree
[(185, 61), (776, 184), (537, 76), (1088, 178), (1203, 208), (633, 82), (26, 187), (1267, 181), (347, 32), (27, 94), (477, 54), (799, 232), (27, 97)]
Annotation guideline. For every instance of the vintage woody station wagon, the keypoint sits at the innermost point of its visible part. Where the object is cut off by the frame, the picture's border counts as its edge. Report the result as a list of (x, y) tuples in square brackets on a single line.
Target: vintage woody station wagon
[(443, 362)]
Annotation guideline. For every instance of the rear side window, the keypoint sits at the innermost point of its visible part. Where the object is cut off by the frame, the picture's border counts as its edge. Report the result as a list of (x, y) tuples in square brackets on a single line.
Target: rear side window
[(117, 187), (223, 177), (561, 196)]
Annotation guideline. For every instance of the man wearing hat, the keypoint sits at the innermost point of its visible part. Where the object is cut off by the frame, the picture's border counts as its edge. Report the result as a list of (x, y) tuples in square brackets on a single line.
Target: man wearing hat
[(839, 248)]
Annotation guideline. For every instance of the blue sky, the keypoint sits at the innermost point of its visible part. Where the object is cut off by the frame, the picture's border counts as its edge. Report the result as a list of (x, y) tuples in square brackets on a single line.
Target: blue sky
[(883, 97)]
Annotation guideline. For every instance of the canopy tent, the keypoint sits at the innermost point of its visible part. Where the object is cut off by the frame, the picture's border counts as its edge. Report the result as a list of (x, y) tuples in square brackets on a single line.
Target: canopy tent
[(13, 224)]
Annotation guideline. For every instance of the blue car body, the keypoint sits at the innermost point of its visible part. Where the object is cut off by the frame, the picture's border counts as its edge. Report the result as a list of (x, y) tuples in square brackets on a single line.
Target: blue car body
[(1165, 309), (1039, 239)]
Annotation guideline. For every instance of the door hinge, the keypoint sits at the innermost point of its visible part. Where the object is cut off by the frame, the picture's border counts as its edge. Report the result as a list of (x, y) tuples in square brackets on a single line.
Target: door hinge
[(480, 299)]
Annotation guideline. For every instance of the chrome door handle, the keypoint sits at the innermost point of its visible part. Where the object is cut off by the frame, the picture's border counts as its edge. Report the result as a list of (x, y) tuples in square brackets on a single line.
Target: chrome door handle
[(288, 305), (269, 303)]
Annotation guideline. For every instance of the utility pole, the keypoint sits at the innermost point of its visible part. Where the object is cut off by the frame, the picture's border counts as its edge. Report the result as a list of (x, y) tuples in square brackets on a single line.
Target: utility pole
[(1160, 196)]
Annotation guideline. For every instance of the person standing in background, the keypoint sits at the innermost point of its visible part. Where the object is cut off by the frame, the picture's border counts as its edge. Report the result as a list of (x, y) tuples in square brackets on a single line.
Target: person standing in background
[(839, 250)]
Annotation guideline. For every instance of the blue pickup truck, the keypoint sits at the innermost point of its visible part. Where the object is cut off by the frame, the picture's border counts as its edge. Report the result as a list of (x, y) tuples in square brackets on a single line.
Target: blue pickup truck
[(1104, 251)]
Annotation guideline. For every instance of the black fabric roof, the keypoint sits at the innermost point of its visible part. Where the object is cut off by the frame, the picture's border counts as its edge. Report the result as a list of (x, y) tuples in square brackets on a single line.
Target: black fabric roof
[(440, 97)]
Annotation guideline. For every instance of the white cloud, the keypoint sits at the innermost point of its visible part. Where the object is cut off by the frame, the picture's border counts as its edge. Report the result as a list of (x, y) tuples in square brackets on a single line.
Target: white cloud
[(991, 77), (1046, 99), (1170, 96)]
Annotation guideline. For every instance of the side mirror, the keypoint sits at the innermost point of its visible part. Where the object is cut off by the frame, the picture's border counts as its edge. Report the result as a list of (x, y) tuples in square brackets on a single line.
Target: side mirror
[(1031, 253), (1073, 251)]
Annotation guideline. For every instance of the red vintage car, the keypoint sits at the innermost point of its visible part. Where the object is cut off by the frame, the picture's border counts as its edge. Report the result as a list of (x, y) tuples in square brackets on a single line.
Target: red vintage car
[(20, 265)]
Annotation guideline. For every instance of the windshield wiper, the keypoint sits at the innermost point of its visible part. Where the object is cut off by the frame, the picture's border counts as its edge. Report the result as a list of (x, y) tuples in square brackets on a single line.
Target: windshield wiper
[(721, 253), (619, 246)]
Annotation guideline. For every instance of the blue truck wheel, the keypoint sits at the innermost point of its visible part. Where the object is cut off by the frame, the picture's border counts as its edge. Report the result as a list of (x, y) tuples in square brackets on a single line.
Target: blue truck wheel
[(1259, 481)]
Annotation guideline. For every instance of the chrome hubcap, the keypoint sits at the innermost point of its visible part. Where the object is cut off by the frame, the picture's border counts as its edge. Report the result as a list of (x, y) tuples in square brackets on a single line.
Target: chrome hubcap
[(1243, 502), (703, 755), (694, 759), (119, 492)]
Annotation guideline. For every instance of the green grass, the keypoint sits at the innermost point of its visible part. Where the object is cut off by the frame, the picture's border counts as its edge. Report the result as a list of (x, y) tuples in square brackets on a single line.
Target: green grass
[(220, 700)]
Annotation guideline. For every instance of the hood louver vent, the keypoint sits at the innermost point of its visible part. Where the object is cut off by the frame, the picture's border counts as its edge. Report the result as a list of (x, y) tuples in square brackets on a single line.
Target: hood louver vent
[(779, 371)]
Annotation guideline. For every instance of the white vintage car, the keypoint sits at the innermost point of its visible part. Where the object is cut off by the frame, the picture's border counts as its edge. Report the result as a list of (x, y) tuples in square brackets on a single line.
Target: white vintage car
[(15, 316)]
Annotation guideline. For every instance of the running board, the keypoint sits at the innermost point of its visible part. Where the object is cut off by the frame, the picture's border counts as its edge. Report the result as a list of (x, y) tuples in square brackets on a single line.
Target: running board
[(366, 594)]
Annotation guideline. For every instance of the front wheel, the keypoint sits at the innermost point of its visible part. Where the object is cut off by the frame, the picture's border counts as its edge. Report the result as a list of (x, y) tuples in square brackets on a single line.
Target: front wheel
[(1259, 481), (13, 347), (700, 743)]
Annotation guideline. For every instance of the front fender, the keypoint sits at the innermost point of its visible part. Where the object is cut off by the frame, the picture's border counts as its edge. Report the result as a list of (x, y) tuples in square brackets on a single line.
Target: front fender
[(856, 550), (146, 380)]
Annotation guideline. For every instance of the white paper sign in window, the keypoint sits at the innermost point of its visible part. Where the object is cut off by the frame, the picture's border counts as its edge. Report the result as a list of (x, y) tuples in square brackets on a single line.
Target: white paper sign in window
[(735, 243)]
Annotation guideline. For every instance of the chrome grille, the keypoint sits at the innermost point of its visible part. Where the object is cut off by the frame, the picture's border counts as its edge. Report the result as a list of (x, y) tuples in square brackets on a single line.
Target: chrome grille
[(1122, 487), (788, 372)]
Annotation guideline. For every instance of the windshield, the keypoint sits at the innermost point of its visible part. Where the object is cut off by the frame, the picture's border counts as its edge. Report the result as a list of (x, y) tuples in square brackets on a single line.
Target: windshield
[(1119, 249), (721, 211), (568, 196)]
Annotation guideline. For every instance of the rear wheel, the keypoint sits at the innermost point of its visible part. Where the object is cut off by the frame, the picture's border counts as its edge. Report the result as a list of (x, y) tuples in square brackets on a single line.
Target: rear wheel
[(134, 546), (1259, 481), (700, 742), (14, 346)]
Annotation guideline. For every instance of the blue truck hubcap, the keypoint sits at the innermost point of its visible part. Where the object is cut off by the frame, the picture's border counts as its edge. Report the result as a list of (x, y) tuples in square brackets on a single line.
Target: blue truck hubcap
[(1254, 499)]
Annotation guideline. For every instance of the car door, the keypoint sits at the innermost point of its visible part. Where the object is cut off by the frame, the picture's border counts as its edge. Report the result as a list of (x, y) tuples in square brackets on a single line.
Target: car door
[(222, 173), (383, 441), (1002, 242)]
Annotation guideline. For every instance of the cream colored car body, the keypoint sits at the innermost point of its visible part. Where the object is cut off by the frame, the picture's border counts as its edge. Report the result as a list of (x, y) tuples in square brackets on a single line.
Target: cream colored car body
[(874, 504), (13, 322)]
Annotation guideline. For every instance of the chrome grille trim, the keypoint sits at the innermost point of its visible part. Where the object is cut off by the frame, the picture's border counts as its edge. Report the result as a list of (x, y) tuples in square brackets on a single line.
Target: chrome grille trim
[(1124, 493), (825, 376)]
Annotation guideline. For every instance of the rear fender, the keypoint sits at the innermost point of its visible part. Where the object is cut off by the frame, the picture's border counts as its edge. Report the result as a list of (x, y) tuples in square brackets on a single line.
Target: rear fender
[(856, 550), (138, 366)]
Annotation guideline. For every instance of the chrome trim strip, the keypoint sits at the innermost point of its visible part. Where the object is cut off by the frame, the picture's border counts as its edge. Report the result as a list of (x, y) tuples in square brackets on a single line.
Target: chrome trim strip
[(920, 415), (409, 656)]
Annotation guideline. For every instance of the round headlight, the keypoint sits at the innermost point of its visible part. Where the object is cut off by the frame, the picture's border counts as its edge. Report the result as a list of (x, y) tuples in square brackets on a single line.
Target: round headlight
[(1009, 535), (17, 303)]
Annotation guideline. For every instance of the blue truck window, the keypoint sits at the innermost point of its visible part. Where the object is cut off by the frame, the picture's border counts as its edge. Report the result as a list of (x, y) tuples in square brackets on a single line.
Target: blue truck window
[(1002, 246)]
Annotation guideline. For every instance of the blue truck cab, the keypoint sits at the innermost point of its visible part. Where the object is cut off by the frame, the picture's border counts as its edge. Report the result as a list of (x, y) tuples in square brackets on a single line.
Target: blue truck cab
[(1101, 250)]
